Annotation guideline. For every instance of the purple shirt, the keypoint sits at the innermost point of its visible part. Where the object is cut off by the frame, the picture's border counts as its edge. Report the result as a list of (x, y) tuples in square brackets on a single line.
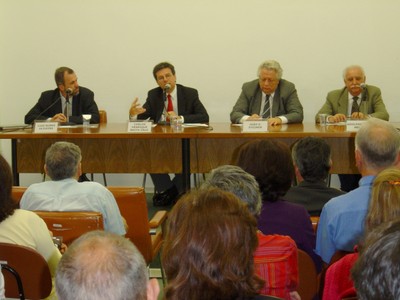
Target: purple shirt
[(285, 218)]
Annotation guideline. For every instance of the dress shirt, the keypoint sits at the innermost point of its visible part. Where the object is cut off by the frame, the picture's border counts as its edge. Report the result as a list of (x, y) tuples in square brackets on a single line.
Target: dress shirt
[(71, 195), (341, 224)]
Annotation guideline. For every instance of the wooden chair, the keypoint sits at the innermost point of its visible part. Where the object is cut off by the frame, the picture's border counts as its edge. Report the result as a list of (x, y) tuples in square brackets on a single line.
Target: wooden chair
[(31, 268), (314, 222), (146, 235), (308, 283), (71, 224), (103, 120), (17, 192)]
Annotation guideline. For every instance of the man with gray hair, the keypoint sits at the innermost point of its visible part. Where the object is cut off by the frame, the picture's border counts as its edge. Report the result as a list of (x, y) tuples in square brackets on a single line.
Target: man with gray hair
[(65, 193), (269, 97), (312, 162), (275, 259), (101, 265), (356, 100), (341, 225)]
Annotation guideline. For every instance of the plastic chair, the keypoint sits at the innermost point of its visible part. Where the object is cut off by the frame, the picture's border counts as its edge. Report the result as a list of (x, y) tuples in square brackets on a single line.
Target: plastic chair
[(30, 267), (103, 120), (308, 283), (71, 224)]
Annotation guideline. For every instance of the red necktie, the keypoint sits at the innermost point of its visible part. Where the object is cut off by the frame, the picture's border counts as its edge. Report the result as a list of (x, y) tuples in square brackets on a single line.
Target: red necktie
[(170, 106)]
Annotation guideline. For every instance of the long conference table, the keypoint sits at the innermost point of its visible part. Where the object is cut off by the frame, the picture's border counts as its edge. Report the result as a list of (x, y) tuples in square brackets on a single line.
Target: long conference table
[(109, 148)]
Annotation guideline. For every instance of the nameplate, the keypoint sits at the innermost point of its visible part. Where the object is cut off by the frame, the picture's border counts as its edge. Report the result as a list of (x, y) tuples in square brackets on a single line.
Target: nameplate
[(354, 125), (140, 127), (255, 126), (45, 127)]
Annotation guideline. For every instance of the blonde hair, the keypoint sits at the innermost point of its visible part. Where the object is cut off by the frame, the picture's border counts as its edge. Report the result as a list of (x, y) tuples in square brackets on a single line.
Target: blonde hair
[(384, 205)]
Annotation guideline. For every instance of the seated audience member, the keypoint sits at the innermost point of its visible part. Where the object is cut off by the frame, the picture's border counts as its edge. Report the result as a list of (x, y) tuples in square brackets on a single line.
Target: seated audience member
[(21, 227), (376, 273), (102, 265), (275, 258), (270, 162), (1, 285), (65, 193), (384, 207), (269, 97), (341, 224), (356, 100), (312, 162), (208, 249)]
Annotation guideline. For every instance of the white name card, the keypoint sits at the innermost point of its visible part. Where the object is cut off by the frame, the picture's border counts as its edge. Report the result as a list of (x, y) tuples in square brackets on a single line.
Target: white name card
[(45, 127), (354, 125), (255, 126), (140, 127)]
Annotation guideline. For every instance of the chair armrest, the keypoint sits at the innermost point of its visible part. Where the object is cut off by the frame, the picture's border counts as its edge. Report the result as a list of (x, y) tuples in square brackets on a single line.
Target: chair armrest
[(158, 219)]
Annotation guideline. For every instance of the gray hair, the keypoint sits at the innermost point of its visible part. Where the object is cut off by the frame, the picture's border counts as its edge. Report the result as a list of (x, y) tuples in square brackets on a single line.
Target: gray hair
[(271, 65), (101, 265), (237, 181), (62, 160), (379, 143), (352, 67)]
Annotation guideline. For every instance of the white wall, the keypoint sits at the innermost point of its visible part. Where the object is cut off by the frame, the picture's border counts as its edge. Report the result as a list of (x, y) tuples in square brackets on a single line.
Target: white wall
[(215, 45)]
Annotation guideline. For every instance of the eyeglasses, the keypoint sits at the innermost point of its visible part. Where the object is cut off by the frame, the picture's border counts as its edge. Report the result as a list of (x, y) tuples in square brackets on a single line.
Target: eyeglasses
[(166, 76)]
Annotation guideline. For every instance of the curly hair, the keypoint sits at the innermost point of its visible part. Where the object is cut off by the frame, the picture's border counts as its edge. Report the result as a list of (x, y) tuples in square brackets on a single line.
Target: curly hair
[(208, 250), (270, 162), (7, 204)]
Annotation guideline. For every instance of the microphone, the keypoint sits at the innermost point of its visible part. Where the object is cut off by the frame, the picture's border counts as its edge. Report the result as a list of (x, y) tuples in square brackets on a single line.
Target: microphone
[(167, 87), (48, 107), (365, 91), (68, 91)]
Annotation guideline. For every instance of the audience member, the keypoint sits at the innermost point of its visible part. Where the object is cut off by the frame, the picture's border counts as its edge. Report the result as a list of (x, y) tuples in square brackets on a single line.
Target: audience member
[(102, 265), (275, 259), (342, 220), (270, 162), (356, 101), (269, 97), (376, 273), (312, 162), (167, 100), (21, 227), (208, 249), (384, 207), (65, 193), (80, 101)]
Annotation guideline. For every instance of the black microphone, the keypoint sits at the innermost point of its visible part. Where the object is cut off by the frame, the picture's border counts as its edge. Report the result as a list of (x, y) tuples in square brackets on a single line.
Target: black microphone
[(48, 107), (68, 91), (167, 87), (365, 91)]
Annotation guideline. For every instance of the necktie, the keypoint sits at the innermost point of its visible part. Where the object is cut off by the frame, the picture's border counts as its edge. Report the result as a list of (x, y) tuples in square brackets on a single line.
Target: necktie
[(170, 106), (265, 113), (67, 109), (355, 107)]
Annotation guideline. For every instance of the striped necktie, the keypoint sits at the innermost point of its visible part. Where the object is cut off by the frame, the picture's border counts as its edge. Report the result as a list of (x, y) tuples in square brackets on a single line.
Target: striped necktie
[(266, 112), (355, 107)]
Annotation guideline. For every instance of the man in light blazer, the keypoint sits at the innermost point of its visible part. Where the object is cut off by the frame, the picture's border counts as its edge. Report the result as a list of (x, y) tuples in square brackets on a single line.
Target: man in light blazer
[(269, 97), (367, 99), (179, 101)]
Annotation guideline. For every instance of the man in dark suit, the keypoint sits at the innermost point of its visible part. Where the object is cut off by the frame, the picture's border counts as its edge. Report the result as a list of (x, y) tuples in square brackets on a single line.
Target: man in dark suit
[(312, 162), (269, 97), (168, 100), (53, 104)]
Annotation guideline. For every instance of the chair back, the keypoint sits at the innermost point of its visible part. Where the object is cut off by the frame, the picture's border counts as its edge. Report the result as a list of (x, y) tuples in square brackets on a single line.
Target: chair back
[(71, 224), (308, 283), (17, 192), (31, 267), (103, 116), (133, 207)]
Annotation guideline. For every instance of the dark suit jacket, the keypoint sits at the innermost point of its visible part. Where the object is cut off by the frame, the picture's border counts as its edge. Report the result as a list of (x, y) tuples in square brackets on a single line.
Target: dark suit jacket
[(83, 103), (312, 196), (337, 102), (189, 105), (285, 103)]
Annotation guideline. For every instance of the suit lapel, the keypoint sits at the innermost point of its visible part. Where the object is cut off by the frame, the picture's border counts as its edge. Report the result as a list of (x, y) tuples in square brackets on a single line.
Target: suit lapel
[(181, 100), (343, 102)]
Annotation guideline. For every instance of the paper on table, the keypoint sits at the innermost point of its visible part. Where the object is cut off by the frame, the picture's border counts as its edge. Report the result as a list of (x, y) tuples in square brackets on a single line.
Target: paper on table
[(194, 125)]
